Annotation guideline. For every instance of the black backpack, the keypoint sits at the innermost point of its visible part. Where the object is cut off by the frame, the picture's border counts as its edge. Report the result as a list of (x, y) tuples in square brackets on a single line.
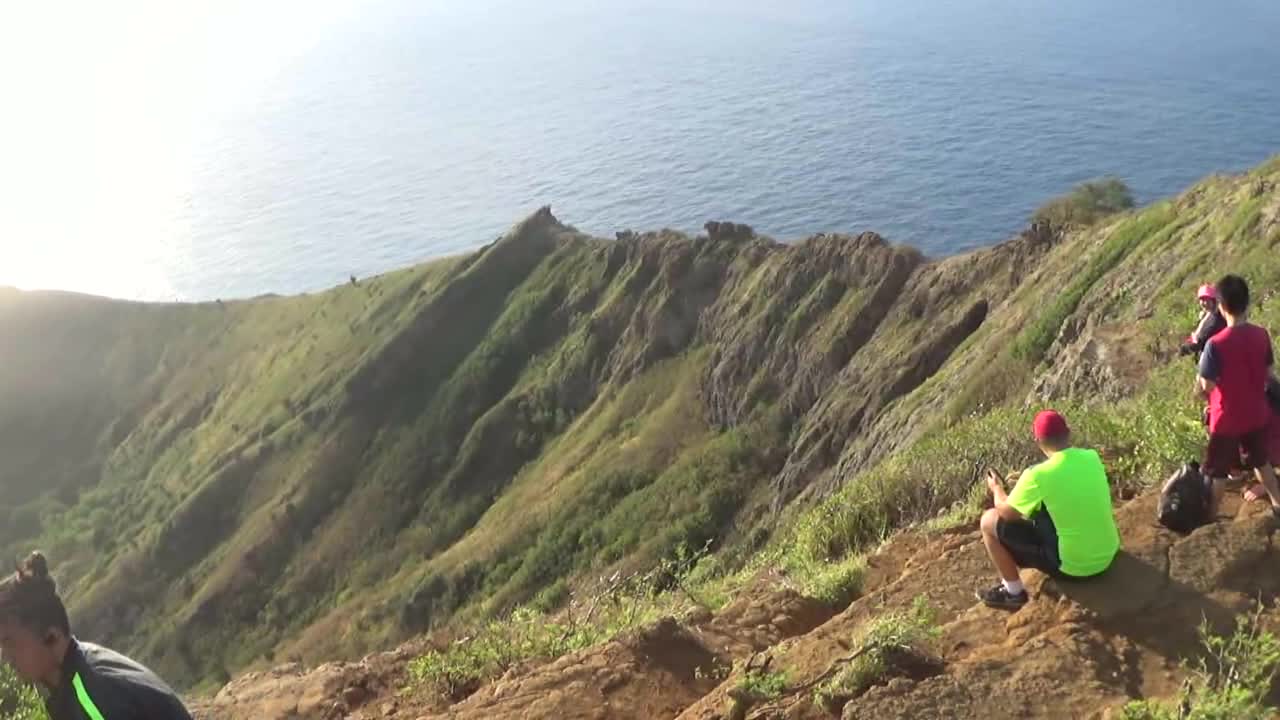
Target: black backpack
[(1184, 500)]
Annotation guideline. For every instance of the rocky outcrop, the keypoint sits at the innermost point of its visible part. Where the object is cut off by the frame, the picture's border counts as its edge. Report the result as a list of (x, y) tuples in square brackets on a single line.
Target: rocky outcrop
[(785, 325)]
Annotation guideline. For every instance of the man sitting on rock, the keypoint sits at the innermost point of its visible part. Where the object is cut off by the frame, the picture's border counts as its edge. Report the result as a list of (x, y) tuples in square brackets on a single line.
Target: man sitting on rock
[(1057, 520)]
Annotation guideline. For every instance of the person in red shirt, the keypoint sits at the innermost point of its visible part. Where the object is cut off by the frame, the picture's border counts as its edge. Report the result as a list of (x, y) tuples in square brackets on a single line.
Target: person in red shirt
[(1234, 369)]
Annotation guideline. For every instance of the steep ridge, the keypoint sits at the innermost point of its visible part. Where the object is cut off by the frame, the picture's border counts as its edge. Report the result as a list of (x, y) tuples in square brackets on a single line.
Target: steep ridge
[(317, 477), (268, 477)]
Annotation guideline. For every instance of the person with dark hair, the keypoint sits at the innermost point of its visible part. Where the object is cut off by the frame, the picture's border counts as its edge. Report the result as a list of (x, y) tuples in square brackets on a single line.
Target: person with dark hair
[(1058, 518), (83, 681), (1234, 369)]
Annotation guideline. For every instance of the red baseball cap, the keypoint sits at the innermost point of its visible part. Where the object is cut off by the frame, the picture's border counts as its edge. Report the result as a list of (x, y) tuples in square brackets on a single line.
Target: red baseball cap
[(1048, 424)]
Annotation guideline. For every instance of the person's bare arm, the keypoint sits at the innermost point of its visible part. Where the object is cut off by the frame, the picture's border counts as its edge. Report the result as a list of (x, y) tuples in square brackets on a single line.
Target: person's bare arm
[(1001, 497), (1205, 386)]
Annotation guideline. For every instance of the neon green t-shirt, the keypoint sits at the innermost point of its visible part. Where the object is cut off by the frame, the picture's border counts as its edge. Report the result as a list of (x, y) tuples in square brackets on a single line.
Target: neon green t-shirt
[(1072, 486)]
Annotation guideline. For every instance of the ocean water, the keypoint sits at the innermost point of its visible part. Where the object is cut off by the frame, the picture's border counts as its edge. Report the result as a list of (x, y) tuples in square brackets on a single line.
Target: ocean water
[(401, 131)]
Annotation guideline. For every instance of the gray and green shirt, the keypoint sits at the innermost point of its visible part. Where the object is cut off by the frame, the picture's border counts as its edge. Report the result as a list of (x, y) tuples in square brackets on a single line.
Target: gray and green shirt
[(101, 684)]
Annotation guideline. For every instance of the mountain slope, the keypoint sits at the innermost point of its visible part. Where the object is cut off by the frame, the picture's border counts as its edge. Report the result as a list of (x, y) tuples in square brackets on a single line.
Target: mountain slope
[(234, 483)]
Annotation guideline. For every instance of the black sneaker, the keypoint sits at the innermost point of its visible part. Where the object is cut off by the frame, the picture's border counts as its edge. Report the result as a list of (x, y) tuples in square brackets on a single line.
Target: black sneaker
[(998, 597)]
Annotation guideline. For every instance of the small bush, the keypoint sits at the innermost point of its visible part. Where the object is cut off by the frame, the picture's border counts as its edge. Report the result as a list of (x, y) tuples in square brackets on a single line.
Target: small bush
[(552, 597), (756, 685), (458, 670), (1230, 683), (761, 685), (1086, 203), (889, 644)]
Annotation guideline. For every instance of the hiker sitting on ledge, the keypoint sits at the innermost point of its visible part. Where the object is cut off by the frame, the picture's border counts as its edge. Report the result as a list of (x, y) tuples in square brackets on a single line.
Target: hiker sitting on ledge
[(1057, 520)]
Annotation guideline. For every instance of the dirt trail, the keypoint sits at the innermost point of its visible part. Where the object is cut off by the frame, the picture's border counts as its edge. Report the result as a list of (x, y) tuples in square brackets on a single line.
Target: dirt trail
[(1076, 650)]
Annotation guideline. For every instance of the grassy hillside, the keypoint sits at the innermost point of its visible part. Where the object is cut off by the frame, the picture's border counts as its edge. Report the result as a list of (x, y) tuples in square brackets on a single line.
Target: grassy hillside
[(233, 483)]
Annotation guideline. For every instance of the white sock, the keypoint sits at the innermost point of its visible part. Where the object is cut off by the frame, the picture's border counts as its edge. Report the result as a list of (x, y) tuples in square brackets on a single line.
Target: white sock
[(1013, 587)]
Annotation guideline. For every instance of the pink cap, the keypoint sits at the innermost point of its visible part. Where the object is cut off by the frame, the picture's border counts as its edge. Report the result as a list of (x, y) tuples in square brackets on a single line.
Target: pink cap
[(1207, 292)]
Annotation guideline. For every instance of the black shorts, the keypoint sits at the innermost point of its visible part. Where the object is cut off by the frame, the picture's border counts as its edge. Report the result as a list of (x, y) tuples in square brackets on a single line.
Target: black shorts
[(1032, 543), (1227, 452)]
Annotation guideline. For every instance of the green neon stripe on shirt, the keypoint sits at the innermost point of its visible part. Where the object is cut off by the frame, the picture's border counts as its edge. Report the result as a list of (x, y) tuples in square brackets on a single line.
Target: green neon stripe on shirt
[(86, 702)]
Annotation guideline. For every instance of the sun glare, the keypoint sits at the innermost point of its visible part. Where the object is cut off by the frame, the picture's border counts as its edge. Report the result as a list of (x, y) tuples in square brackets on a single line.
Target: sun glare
[(104, 105)]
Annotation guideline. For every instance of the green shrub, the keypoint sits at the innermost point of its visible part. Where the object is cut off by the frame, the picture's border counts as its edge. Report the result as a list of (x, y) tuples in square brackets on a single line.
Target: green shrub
[(1086, 203), (18, 700), (552, 597), (498, 645), (882, 644), (1230, 683), (761, 685)]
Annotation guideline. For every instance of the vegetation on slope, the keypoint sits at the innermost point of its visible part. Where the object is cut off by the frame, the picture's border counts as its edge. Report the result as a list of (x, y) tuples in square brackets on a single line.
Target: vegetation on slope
[(1087, 203), (237, 483), (1232, 680), (18, 700)]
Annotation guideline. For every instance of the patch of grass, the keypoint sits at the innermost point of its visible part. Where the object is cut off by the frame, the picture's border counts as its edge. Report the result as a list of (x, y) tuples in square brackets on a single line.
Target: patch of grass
[(936, 481), (1243, 220), (1230, 683), (1087, 203), (881, 645), (530, 633), (19, 700), (1032, 343), (526, 634), (762, 685), (756, 684), (909, 487)]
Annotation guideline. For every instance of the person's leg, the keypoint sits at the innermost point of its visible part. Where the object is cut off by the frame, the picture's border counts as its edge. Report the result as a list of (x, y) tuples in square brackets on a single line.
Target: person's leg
[(1266, 475), (1217, 490), (1049, 561), (1258, 490), (999, 554), (1256, 453), (1219, 454), (1008, 543)]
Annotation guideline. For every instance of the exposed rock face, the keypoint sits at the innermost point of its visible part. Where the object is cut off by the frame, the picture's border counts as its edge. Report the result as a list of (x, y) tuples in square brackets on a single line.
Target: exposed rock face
[(784, 326), (1095, 363)]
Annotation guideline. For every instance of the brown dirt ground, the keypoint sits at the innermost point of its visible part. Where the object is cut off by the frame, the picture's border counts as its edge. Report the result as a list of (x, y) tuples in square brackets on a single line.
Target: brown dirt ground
[(1077, 650)]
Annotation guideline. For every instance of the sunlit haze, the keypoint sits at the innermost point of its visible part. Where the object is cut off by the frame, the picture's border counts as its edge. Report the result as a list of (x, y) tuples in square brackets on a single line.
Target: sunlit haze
[(200, 149), (104, 102)]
